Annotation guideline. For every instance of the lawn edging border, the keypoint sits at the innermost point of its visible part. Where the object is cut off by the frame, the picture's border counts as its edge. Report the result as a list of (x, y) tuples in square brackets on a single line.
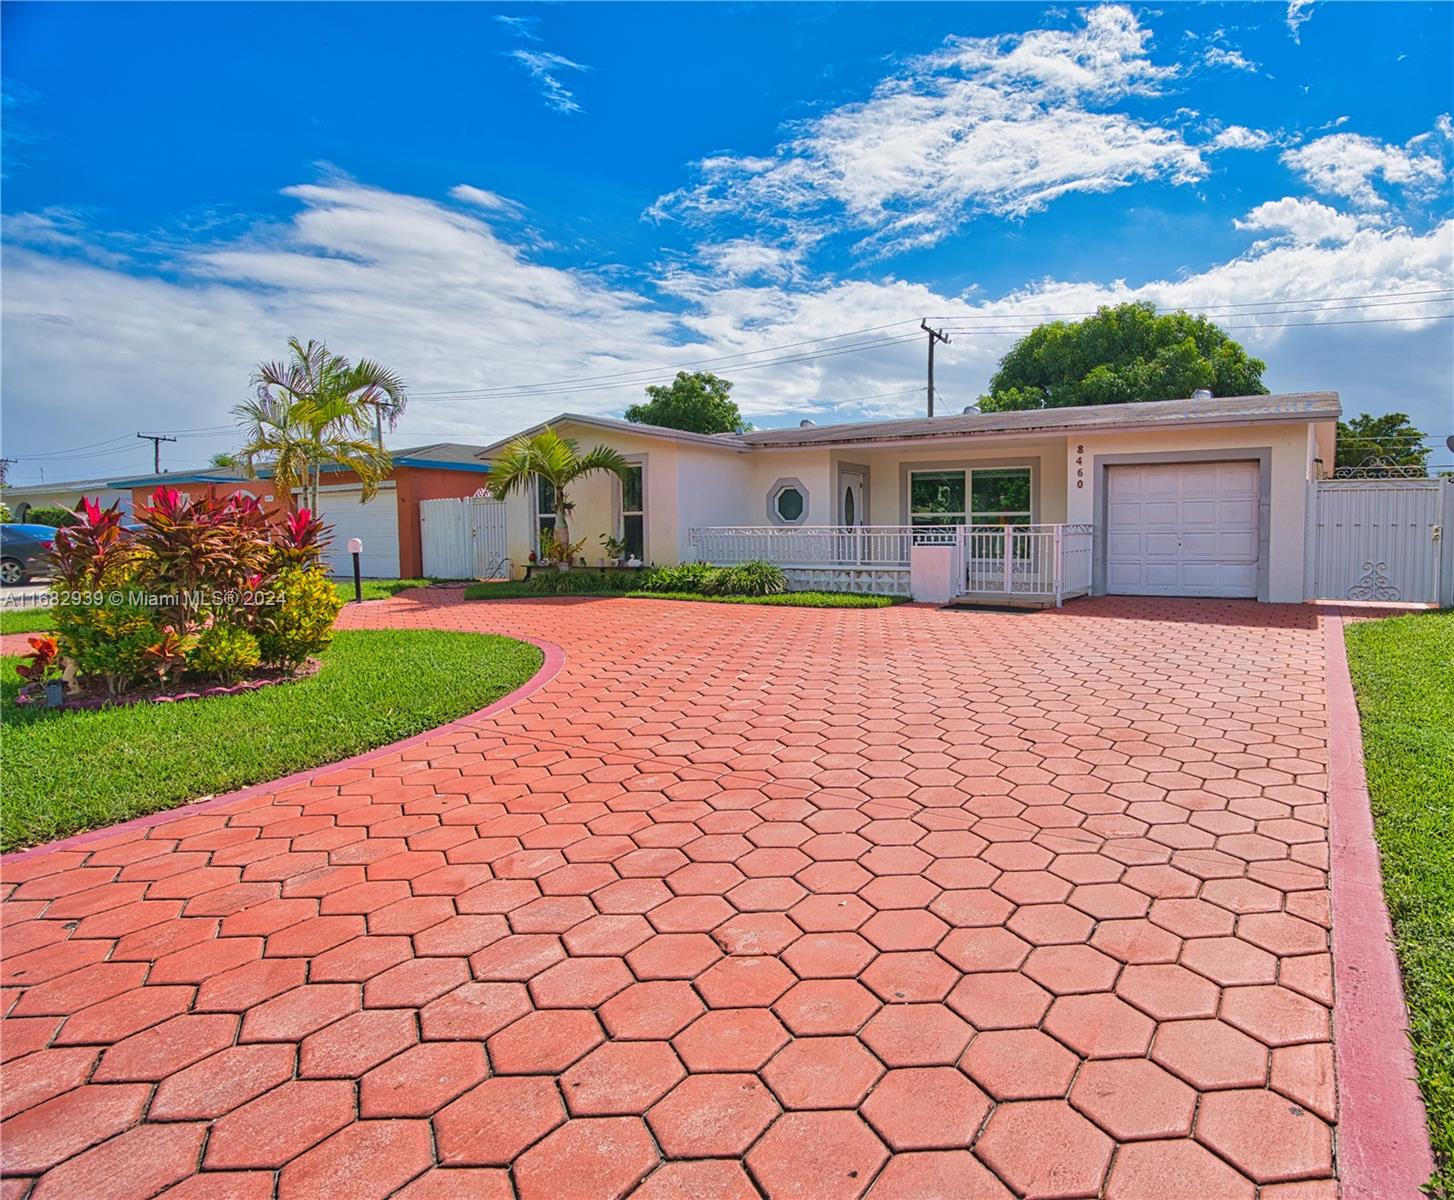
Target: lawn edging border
[(552, 661), (1383, 1130)]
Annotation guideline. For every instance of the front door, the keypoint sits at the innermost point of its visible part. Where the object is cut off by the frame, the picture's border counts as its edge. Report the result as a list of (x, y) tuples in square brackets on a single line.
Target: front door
[(852, 496)]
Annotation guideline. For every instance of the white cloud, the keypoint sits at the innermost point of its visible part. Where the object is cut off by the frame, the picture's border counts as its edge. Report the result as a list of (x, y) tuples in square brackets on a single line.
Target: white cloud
[(1000, 125), (457, 306), (1239, 137), (747, 258), (1349, 164), (482, 198), (521, 27), (1305, 221), (545, 67), (1235, 60), (1298, 13)]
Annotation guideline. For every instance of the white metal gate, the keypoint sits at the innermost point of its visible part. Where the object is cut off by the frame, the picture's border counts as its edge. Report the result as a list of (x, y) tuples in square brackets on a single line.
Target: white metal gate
[(1378, 539), (464, 539)]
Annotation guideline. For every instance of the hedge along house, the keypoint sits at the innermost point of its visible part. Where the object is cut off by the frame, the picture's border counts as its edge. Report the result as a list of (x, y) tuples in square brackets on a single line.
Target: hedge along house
[(1200, 497), (388, 523)]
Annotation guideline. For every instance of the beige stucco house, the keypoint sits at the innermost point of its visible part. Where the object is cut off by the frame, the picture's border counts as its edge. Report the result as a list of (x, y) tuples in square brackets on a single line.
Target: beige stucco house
[(1200, 497)]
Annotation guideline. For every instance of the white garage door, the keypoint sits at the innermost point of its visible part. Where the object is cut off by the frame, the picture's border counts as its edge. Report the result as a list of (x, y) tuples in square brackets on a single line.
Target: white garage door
[(376, 522), (1182, 529)]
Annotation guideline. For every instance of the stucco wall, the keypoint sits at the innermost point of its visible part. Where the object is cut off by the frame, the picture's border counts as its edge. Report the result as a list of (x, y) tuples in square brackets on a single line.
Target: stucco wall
[(63, 497), (684, 485), (1289, 456), (426, 483), (888, 502)]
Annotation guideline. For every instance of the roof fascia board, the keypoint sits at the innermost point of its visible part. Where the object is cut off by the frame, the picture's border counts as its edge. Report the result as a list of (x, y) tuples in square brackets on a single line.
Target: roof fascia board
[(1057, 432)]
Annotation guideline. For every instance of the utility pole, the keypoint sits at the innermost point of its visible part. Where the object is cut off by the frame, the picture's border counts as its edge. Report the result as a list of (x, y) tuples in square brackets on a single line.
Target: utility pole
[(156, 440), (935, 335)]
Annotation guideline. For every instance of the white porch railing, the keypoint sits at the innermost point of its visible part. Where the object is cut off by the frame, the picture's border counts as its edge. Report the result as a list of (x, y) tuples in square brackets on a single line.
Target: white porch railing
[(1038, 562)]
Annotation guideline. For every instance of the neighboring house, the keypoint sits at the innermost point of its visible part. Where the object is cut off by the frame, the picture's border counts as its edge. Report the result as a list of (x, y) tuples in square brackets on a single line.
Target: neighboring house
[(1203, 497), (388, 524), (23, 497)]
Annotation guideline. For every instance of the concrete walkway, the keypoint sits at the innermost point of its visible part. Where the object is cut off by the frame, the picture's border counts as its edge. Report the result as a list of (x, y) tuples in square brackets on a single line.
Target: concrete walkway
[(800, 903)]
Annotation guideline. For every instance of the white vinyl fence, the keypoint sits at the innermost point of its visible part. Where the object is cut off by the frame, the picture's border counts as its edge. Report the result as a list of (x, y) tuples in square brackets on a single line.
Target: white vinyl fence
[(1380, 539), (464, 539)]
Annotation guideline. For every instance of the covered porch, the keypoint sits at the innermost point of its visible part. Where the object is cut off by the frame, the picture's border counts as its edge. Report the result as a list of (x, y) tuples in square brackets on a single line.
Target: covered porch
[(1035, 566)]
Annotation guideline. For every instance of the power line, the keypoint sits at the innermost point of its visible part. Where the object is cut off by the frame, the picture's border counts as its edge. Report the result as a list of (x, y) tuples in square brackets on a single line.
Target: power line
[(156, 440), (1008, 326), (1231, 304), (832, 337)]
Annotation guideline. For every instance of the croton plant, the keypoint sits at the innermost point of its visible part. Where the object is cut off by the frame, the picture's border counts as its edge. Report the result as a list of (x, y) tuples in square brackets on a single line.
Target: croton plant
[(201, 589)]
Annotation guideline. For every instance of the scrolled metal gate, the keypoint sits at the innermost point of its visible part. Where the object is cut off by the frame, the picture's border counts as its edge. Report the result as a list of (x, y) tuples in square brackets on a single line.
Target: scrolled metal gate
[(1380, 539)]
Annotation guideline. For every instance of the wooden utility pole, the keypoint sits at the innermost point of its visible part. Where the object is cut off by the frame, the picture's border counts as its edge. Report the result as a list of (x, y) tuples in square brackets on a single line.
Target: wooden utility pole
[(156, 440), (935, 335)]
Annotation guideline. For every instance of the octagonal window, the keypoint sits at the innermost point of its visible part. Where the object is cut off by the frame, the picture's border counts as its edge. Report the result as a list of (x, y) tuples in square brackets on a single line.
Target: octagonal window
[(787, 502)]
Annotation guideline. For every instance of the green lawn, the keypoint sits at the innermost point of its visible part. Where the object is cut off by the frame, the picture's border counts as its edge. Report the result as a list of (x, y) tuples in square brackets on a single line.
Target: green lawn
[(521, 590), (380, 589), (25, 620), (1403, 674), (33, 620), (69, 771)]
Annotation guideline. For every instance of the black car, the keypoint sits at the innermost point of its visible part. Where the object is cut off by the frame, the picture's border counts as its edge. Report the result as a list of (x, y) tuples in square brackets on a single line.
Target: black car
[(22, 551)]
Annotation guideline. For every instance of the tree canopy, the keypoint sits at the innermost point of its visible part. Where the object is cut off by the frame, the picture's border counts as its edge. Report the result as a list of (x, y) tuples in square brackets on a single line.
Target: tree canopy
[(316, 409), (1122, 355), (696, 401), (1391, 440)]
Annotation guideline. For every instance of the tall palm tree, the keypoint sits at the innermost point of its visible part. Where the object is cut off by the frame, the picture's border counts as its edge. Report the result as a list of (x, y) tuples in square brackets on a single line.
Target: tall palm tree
[(313, 410), (558, 461)]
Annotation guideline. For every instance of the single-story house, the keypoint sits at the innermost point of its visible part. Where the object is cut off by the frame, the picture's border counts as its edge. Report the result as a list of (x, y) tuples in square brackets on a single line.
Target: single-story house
[(21, 498), (388, 524), (1197, 497)]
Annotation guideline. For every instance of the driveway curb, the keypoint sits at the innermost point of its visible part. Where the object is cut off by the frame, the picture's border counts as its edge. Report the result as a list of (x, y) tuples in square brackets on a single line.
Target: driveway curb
[(1383, 1132), (549, 668)]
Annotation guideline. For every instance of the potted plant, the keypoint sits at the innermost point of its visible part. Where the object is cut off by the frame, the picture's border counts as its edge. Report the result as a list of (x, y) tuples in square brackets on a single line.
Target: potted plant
[(44, 668), (615, 550)]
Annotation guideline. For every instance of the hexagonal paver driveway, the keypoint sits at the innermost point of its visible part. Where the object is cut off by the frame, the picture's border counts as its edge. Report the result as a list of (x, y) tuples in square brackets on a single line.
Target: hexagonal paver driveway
[(800, 903)]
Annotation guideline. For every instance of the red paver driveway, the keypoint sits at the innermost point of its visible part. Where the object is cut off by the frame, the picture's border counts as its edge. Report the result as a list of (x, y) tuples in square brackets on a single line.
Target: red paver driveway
[(904, 903)]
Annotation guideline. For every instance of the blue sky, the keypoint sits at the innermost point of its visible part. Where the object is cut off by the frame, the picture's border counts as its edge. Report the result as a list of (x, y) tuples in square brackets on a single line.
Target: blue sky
[(493, 199)]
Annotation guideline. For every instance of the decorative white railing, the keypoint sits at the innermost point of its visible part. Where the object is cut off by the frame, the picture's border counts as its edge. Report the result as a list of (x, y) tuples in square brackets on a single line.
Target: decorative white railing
[(1032, 561), (806, 546)]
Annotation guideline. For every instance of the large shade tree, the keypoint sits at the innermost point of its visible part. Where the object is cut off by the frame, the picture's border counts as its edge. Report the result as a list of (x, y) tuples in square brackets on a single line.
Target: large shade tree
[(696, 401), (1379, 443), (315, 410), (556, 460), (1122, 355)]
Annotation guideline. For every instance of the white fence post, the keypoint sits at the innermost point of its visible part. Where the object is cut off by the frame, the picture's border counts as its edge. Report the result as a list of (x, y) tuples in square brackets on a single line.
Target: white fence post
[(1059, 562)]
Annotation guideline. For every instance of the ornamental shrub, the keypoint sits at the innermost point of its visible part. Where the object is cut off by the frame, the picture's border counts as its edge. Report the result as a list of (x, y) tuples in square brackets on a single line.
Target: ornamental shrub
[(755, 578), (300, 621), (581, 583), (685, 577), (49, 514), (224, 652), (205, 587), (108, 642)]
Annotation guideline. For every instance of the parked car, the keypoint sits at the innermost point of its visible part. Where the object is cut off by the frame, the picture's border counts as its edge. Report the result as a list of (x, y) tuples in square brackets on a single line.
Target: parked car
[(22, 551)]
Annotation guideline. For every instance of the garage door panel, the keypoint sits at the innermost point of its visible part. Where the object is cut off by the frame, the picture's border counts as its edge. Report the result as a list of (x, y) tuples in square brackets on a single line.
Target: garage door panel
[(1237, 547), (376, 523), (1183, 529)]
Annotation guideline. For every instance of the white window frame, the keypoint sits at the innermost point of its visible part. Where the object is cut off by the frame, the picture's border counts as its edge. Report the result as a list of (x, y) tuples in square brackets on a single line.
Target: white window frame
[(968, 517), (622, 512)]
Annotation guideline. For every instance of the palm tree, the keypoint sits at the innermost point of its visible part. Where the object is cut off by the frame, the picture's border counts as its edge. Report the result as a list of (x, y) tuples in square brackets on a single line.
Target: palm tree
[(556, 460), (314, 410), (223, 459)]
